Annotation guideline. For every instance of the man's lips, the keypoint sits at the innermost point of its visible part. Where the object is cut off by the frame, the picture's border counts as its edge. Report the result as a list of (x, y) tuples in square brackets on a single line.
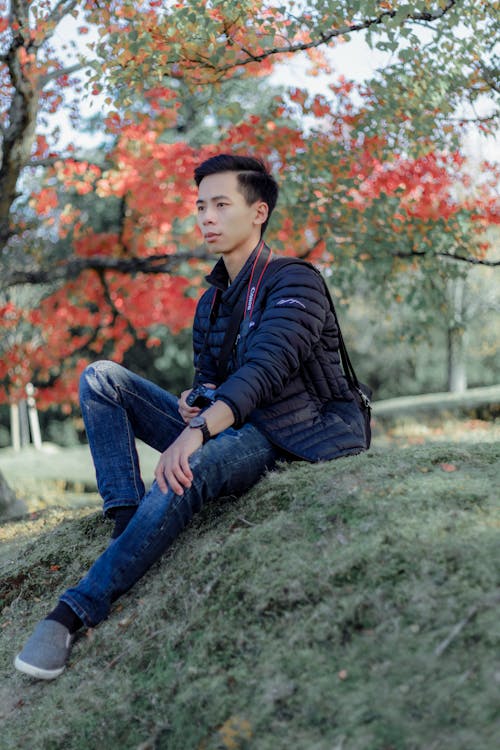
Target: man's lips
[(211, 237)]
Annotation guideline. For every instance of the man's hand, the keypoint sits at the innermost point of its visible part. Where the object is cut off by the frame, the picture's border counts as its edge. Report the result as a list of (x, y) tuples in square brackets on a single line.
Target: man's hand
[(173, 467), (188, 412)]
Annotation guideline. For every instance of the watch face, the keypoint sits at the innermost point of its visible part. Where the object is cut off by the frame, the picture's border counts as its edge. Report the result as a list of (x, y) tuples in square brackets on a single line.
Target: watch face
[(200, 423)]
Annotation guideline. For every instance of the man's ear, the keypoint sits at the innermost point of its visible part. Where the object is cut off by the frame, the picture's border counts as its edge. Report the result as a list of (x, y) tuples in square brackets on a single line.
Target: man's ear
[(261, 212)]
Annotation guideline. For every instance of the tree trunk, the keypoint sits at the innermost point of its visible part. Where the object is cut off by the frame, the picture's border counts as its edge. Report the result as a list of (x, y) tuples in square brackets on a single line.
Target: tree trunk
[(19, 135), (457, 335), (457, 366)]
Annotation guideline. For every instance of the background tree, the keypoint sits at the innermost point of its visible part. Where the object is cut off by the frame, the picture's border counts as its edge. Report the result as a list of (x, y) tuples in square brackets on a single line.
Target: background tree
[(368, 172)]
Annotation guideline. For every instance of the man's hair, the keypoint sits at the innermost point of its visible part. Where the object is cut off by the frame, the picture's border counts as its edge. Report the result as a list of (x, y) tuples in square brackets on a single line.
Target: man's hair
[(255, 182)]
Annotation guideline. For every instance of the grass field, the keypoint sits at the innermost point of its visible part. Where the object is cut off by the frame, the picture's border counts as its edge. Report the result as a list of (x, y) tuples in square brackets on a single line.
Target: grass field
[(352, 605)]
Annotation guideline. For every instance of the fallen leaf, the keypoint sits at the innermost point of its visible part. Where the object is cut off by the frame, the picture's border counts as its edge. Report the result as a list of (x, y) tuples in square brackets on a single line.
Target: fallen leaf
[(342, 675), (126, 621), (447, 467)]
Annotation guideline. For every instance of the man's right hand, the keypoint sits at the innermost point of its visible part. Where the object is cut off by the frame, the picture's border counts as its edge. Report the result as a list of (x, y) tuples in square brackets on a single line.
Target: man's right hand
[(187, 412)]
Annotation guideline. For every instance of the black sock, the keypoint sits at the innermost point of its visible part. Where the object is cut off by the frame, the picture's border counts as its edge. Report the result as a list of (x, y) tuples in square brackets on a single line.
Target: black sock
[(65, 615), (121, 515)]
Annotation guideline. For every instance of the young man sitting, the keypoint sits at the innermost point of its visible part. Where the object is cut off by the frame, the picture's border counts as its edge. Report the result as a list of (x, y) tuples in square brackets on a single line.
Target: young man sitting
[(268, 386)]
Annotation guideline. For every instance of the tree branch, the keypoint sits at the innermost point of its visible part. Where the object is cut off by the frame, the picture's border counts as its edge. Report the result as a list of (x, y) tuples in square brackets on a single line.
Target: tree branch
[(463, 259), (112, 306), (490, 77), (56, 15), (470, 259), (19, 12), (49, 161), (156, 264), (325, 37), (474, 120), (43, 80), (73, 267), (61, 9)]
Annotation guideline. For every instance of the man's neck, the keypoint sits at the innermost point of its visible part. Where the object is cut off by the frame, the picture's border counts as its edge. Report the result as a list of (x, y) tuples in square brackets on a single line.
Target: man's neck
[(235, 260)]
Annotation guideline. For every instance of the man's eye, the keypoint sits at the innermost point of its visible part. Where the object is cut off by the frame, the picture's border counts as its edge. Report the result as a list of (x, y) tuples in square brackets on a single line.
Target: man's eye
[(221, 204), (200, 208)]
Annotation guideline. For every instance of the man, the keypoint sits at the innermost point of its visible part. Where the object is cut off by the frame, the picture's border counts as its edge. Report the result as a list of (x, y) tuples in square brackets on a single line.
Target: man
[(274, 390)]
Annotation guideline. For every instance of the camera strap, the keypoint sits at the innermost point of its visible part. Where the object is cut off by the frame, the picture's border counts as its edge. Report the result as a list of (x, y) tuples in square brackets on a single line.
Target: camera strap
[(243, 308)]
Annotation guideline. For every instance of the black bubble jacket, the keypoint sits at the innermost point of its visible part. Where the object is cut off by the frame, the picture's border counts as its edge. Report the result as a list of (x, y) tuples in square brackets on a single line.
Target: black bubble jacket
[(285, 375)]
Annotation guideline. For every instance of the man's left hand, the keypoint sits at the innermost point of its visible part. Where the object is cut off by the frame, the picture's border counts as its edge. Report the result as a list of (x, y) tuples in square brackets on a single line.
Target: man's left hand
[(173, 468)]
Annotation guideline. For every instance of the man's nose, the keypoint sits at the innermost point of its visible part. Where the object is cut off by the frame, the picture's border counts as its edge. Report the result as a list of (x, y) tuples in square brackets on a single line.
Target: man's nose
[(208, 216)]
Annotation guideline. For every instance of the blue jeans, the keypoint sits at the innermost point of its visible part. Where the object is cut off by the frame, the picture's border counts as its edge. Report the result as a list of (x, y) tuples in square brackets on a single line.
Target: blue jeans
[(117, 407)]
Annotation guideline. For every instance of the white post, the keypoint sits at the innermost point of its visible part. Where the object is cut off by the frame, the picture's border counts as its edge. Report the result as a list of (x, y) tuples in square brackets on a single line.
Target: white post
[(33, 417), (15, 433), (24, 425)]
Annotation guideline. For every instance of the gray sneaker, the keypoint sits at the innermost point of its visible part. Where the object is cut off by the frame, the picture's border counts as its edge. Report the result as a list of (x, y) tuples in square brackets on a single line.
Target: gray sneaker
[(46, 652)]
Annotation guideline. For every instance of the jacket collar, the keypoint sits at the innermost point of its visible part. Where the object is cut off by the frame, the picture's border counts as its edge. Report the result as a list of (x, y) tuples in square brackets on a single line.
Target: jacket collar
[(219, 277)]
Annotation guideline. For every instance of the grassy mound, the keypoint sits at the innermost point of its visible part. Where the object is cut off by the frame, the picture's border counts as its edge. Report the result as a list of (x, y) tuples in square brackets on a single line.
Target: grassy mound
[(348, 605)]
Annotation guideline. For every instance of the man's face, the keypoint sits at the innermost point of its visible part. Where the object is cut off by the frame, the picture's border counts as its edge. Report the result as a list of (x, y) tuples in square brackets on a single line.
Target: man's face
[(227, 222)]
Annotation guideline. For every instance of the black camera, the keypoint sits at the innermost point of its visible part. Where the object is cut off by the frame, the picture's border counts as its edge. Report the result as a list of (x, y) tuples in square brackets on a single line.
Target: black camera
[(201, 396)]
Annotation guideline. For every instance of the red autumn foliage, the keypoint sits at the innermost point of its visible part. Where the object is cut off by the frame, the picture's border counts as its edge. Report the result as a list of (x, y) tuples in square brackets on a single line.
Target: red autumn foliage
[(335, 175)]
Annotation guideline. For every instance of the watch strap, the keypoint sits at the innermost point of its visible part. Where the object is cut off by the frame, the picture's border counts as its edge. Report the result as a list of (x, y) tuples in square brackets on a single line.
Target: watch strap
[(200, 424)]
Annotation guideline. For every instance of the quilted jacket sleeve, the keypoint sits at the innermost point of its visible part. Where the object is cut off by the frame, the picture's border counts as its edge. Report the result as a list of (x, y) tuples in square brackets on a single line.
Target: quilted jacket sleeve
[(290, 326)]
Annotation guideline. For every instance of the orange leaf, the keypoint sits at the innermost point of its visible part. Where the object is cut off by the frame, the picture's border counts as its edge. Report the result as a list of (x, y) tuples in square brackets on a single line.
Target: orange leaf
[(447, 467)]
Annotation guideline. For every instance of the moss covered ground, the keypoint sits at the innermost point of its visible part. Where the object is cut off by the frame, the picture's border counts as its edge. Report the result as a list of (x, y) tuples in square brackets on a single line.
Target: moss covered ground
[(352, 605)]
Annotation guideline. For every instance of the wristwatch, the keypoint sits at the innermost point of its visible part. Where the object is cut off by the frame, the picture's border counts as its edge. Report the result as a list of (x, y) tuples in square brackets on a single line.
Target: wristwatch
[(199, 423)]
